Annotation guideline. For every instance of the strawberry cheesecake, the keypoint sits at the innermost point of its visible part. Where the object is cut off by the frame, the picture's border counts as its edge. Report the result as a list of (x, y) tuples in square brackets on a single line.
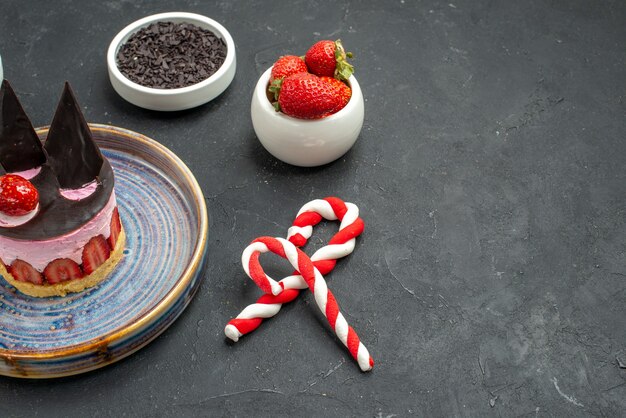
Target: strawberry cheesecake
[(60, 228)]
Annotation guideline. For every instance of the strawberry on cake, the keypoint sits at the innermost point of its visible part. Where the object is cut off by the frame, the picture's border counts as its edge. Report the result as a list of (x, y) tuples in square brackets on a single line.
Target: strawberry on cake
[(60, 229)]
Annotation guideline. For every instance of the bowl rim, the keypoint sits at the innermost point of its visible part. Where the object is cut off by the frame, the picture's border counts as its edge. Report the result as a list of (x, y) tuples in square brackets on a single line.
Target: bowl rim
[(193, 18), (261, 88)]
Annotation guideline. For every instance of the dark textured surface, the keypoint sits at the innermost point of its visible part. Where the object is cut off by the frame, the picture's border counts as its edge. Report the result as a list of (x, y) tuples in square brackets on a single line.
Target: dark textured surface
[(491, 279)]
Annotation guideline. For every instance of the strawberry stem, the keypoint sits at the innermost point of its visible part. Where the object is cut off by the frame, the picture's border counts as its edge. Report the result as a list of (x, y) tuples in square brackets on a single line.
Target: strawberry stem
[(343, 69), (274, 89)]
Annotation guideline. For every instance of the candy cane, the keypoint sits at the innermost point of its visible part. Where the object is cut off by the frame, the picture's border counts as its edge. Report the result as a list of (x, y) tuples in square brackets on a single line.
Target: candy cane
[(324, 259), (322, 262), (324, 298)]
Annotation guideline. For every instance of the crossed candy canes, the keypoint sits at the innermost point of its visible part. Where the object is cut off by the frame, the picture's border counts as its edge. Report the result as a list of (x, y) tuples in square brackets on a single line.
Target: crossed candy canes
[(324, 259), (309, 272)]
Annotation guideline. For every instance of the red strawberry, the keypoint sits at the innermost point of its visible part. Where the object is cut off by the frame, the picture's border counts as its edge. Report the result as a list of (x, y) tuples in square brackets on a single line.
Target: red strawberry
[(24, 272), (328, 58), (283, 67), (306, 96), (61, 270), (18, 196), (116, 228), (95, 253), (342, 90), (287, 65)]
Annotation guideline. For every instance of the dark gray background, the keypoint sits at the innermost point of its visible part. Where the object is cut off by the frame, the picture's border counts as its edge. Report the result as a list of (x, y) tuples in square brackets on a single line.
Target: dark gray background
[(491, 279)]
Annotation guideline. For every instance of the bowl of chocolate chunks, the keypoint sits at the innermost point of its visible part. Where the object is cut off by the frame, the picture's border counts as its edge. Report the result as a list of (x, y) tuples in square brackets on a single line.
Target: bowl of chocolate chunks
[(171, 61)]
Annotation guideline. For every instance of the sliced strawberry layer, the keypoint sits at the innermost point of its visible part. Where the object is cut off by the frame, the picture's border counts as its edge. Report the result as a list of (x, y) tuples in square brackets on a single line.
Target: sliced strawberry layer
[(95, 253), (61, 270), (116, 229), (22, 271)]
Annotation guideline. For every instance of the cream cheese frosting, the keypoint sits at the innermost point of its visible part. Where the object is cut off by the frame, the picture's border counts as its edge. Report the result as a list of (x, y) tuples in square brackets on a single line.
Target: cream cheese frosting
[(30, 173), (80, 193), (42, 252)]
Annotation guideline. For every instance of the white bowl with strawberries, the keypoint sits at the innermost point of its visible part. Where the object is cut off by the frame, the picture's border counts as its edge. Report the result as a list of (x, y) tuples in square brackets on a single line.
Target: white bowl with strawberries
[(308, 111)]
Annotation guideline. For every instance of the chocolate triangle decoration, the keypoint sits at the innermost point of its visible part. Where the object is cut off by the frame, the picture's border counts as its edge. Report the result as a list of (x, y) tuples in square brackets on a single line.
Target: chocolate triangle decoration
[(72, 152), (20, 148), (73, 160)]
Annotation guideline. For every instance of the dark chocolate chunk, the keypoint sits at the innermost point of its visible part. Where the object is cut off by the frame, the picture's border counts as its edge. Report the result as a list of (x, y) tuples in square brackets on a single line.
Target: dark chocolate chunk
[(72, 152), (168, 55), (20, 148)]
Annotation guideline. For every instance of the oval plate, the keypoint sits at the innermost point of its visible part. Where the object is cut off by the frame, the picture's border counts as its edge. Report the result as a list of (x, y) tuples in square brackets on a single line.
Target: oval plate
[(165, 217)]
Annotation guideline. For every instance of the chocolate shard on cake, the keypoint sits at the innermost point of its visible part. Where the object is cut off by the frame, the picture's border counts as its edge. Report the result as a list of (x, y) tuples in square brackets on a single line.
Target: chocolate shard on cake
[(72, 152), (20, 148), (71, 160)]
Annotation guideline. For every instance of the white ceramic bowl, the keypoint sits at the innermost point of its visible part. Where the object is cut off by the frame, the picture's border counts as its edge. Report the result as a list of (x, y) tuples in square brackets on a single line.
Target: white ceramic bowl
[(172, 99), (306, 143)]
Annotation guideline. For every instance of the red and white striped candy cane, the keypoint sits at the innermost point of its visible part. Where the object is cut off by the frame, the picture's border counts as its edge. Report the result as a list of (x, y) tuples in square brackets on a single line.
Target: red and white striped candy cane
[(314, 280), (324, 259)]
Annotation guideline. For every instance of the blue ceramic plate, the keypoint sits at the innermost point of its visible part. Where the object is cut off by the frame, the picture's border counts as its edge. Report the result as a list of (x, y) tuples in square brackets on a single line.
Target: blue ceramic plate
[(164, 214)]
